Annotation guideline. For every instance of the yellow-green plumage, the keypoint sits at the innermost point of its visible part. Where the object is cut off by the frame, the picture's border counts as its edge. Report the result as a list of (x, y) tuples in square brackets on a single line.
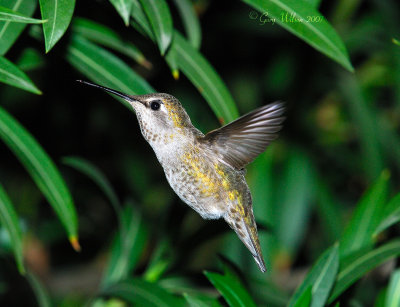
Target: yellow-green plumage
[(207, 171)]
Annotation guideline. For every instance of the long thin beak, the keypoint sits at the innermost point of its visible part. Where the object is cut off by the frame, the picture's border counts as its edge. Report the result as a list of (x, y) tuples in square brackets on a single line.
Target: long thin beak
[(128, 98)]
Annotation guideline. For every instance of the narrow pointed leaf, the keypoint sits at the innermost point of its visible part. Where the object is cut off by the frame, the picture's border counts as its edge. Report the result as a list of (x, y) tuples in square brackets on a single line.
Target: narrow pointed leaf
[(368, 128), (158, 14), (42, 170), (270, 293), (321, 278), (9, 31), (391, 215), (132, 235), (294, 207), (317, 33), (9, 220), (328, 211), (305, 298), (30, 59), (103, 35), (104, 68), (123, 8), (366, 217), (314, 3), (172, 60), (196, 301), (160, 261), (141, 23), (362, 263), (127, 246), (12, 75), (141, 293), (231, 290), (380, 298), (91, 171), (42, 297), (58, 14), (190, 21), (393, 292), (205, 78), (9, 15)]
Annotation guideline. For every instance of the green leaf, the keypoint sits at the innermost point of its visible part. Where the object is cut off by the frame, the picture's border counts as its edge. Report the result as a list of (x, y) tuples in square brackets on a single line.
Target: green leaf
[(321, 278), (380, 300), (172, 60), (58, 14), (159, 262), (30, 59), (12, 75), (366, 217), (42, 170), (387, 136), (9, 31), (360, 264), (9, 15), (229, 269), (205, 78), (261, 180), (365, 121), (294, 203), (391, 215), (328, 210), (127, 247), (104, 68), (314, 3), (141, 22), (91, 171), (305, 298), (232, 291), (42, 297), (131, 239), (141, 293), (123, 8), (190, 22), (267, 291), (9, 220), (158, 14), (200, 301), (313, 28), (103, 35), (393, 292)]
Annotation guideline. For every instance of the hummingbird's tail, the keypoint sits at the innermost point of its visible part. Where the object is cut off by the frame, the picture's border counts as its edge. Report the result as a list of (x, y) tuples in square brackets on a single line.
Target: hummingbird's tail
[(246, 229)]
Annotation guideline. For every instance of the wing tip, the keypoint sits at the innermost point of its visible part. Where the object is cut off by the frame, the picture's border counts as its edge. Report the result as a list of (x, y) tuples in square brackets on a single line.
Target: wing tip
[(277, 107)]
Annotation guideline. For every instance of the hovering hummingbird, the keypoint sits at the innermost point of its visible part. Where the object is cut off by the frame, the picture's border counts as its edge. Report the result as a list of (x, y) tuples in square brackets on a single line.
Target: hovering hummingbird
[(207, 171)]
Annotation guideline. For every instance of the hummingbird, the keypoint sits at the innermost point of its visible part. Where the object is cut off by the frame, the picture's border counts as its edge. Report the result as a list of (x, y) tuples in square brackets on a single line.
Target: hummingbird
[(207, 172)]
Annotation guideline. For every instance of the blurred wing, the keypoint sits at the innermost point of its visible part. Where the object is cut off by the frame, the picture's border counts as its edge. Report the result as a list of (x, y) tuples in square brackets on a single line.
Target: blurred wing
[(239, 142)]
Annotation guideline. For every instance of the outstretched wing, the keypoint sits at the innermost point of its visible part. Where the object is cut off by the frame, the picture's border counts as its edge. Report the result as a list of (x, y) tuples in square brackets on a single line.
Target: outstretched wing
[(241, 141)]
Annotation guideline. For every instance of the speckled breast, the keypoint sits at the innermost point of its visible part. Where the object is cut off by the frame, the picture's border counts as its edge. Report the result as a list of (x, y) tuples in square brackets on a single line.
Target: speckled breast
[(204, 184)]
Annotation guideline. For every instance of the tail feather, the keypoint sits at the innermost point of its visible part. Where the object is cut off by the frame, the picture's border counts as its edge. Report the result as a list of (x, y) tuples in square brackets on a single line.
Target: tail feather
[(246, 229)]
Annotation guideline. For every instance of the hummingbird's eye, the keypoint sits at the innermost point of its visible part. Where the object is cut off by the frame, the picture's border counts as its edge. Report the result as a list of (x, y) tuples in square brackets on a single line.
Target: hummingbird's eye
[(155, 105)]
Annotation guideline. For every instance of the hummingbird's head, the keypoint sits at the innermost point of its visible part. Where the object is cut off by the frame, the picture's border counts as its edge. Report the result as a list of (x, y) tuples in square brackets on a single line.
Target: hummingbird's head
[(163, 111), (158, 113)]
